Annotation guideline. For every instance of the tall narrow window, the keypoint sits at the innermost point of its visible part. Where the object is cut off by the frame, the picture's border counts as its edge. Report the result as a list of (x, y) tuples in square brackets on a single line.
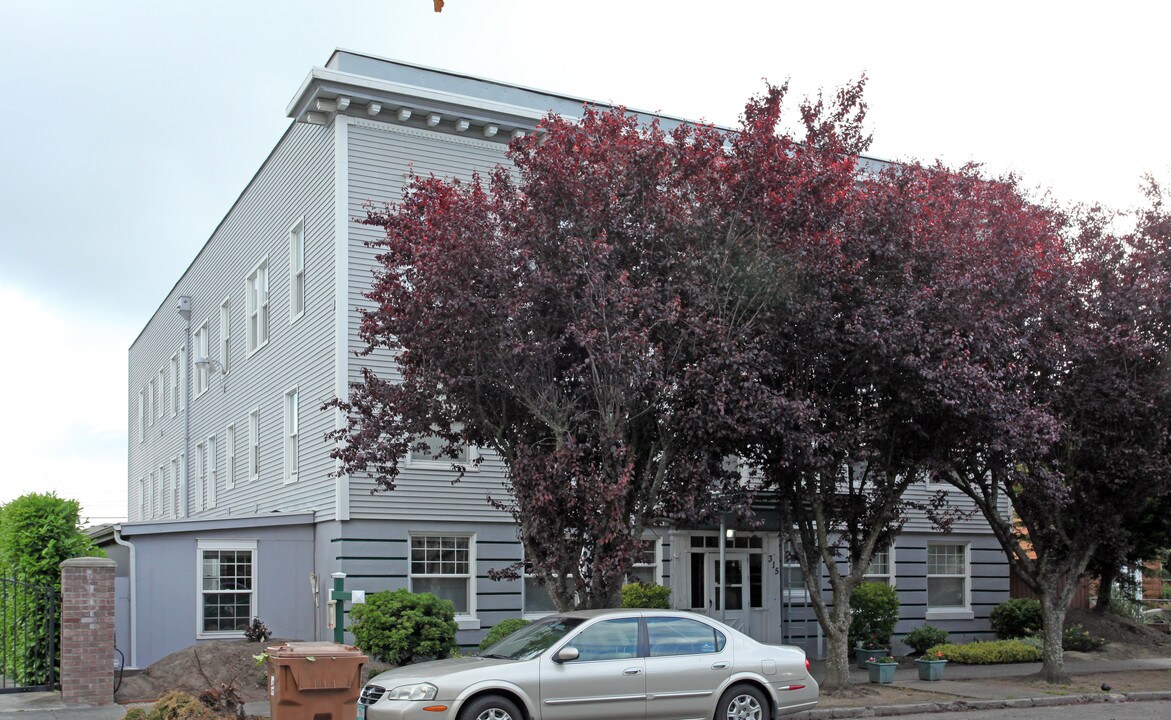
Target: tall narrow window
[(230, 457), (152, 484), (292, 435), (174, 400), (254, 444), (152, 394), (142, 415), (200, 475), (213, 472), (161, 405), (142, 498), (258, 307), (226, 334), (173, 489), (201, 373), (182, 377), (297, 270)]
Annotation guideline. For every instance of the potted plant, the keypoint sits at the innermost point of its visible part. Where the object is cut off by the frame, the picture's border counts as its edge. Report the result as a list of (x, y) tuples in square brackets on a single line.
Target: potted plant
[(882, 669), (931, 666), (874, 611)]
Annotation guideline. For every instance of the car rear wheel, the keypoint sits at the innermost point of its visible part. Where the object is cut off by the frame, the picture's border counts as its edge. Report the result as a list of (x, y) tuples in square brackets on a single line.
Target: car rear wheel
[(491, 707), (742, 702)]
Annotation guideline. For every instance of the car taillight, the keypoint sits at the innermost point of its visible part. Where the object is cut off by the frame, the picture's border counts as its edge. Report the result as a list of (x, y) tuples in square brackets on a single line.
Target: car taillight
[(807, 665)]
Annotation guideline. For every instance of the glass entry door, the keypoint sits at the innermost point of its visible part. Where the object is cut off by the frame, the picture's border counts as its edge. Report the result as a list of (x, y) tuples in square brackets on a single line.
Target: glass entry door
[(735, 575)]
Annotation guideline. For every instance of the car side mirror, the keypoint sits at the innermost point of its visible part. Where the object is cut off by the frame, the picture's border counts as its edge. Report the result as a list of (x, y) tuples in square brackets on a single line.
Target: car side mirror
[(566, 654)]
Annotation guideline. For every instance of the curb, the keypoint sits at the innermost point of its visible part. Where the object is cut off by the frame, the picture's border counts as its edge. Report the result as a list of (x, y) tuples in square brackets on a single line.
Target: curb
[(957, 705)]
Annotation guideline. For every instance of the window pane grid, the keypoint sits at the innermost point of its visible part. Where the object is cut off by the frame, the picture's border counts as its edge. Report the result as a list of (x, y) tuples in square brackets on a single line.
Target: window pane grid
[(439, 555)]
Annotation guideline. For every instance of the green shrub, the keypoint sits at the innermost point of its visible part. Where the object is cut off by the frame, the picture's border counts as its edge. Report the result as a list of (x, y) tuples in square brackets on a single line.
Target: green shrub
[(37, 532), (399, 626), (876, 611), (1016, 618), (924, 637), (1128, 608), (502, 630), (989, 653), (1075, 637), (646, 595)]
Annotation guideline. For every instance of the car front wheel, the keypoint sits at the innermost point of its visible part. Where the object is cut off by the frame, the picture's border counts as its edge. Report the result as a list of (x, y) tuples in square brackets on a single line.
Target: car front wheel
[(491, 707), (742, 702)]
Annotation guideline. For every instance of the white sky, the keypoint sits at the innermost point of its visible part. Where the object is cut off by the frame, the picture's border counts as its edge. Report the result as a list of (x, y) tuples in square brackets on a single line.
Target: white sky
[(129, 127)]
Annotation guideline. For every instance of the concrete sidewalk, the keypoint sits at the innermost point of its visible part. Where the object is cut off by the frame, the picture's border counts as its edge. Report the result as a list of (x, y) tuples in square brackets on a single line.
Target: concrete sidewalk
[(963, 689)]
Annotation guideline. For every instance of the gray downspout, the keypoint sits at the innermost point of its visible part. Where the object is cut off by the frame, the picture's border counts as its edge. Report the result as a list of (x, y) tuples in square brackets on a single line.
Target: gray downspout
[(133, 595)]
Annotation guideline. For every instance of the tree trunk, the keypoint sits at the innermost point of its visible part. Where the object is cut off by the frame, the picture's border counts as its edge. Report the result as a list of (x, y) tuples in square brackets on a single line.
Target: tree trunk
[(838, 660), (1105, 589), (1053, 605)]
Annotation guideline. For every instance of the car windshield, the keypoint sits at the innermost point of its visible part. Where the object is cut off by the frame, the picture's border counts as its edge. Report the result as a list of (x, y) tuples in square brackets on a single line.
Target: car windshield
[(532, 640)]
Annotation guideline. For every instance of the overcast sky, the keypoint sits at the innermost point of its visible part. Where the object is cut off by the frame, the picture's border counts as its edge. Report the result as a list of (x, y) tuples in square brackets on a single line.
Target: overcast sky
[(129, 127)]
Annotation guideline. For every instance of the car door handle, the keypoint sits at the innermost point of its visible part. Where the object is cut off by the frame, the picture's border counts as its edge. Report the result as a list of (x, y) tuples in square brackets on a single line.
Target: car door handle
[(720, 666), (632, 671)]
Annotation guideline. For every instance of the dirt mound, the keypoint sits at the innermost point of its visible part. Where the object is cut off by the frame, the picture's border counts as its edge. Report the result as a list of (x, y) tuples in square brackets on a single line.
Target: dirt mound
[(1126, 637), (213, 665)]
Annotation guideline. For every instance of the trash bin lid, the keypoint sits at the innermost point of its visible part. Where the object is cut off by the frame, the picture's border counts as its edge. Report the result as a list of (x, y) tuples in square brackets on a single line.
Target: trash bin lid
[(313, 649)]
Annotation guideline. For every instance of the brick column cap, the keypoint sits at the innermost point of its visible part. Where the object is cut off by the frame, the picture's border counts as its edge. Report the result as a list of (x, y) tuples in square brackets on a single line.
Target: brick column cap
[(88, 562)]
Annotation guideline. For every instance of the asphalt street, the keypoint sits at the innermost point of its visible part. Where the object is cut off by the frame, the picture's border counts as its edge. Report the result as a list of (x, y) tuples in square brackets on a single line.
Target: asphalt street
[(1159, 710)]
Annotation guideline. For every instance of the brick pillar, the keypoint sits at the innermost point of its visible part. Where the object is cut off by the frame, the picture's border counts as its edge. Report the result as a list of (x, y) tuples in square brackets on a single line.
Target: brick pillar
[(87, 631)]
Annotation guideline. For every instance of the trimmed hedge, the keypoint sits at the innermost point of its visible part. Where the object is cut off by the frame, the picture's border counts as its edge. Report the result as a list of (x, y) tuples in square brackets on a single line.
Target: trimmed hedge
[(646, 595), (924, 637), (875, 613), (989, 653), (401, 625), (1016, 618), (502, 630)]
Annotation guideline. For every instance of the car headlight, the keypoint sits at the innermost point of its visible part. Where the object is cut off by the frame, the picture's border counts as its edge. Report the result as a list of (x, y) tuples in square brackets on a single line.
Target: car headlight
[(418, 691)]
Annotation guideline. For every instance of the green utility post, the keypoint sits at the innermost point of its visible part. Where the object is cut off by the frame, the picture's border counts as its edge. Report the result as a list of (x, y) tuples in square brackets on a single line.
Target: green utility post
[(336, 597)]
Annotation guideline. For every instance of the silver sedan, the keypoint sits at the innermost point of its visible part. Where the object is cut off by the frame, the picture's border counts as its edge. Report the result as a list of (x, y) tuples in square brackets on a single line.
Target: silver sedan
[(628, 664)]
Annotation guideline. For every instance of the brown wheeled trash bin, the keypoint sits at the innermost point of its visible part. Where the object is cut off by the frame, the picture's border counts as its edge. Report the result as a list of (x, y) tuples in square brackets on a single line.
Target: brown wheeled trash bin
[(314, 681)]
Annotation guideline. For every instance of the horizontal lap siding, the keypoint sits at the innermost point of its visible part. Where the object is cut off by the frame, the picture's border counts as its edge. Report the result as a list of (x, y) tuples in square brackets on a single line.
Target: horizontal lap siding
[(381, 157), (295, 182)]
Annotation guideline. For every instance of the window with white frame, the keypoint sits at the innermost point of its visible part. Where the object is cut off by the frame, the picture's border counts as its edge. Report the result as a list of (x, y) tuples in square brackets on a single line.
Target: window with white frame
[(226, 335), (257, 295), (536, 597), (442, 565), (791, 573), (142, 415), (151, 396), (881, 567), (200, 475), (201, 371), (161, 403), (230, 457), (297, 270), (181, 481), (151, 486), (254, 444), (292, 434), (182, 377), (142, 498), (161, 497), (171, 508), (433, 456), (947, 576), (227, 586), (212, 470), (175, 399), (646, 566)]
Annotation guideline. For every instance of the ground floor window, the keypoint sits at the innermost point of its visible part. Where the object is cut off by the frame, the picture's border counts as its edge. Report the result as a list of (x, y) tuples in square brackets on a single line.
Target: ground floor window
[(537, 600), (947, 575), (646, 564), (441, 565), (881, 566), (227, 576)]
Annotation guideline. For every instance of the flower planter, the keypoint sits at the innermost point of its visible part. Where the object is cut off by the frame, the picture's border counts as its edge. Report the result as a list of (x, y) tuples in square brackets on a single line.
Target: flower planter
[(862, 656), (882, 673), (930, 669)]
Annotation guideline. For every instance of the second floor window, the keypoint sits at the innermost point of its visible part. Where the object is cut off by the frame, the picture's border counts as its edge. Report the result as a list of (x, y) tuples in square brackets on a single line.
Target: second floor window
[(297, 270), (292, 435), (201, 372), (230, 457), (225, 334), (258, 307), (254, 444)]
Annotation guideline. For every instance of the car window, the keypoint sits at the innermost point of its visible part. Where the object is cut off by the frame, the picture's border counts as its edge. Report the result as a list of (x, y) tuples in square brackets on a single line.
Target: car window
[(681, 636), (532, 640), (607, 640)]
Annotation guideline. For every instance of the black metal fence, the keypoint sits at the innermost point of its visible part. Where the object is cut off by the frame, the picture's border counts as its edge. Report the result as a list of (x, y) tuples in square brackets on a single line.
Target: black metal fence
[(28, 638)]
